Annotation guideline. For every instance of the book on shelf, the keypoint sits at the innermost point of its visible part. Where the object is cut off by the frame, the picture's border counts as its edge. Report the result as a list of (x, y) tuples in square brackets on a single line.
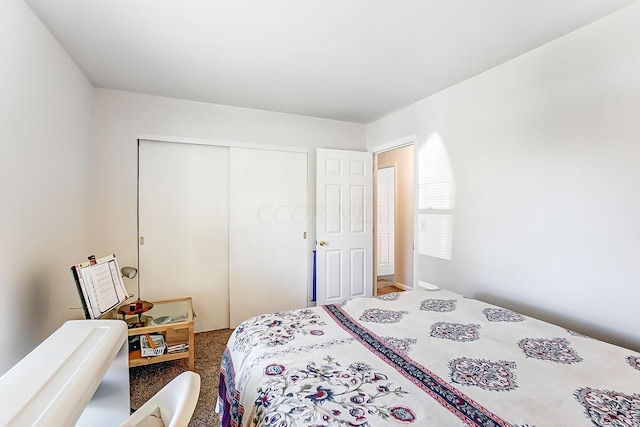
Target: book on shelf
[(177, 348)]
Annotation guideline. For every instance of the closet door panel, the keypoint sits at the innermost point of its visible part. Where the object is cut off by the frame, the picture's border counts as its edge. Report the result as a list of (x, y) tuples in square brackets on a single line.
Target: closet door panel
[(267, 225), (183, 218)]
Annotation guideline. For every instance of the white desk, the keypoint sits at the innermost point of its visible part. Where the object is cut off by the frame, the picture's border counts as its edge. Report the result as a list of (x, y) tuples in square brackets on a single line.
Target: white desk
[(78, 376)]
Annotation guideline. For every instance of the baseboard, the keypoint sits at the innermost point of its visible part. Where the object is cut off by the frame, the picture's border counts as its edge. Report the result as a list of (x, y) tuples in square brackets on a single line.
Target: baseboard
[(427, 286), (404, 287)]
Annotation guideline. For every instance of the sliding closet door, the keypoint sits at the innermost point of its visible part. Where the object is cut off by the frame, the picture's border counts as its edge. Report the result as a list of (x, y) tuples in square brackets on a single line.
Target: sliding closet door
[(267, 226), (183, 219)]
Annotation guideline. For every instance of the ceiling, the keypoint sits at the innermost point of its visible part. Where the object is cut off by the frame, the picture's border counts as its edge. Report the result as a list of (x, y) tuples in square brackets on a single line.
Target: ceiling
[(352, 60)]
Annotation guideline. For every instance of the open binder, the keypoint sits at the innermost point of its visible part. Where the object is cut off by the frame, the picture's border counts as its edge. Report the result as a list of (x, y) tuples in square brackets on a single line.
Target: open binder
[(99, 285)]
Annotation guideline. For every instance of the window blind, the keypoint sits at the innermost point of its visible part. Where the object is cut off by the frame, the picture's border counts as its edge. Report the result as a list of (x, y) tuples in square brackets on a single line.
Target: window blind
[(436, 196)]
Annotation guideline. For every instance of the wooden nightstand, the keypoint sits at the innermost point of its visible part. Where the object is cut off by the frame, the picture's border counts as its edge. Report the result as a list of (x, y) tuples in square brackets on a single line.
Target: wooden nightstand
[(173, 318)]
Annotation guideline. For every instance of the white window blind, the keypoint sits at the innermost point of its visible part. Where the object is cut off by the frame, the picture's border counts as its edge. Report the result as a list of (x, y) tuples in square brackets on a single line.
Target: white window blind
[(436, 195)]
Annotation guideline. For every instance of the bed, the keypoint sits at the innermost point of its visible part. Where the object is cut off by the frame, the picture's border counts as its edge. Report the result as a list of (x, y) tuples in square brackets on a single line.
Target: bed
[(422, 358)]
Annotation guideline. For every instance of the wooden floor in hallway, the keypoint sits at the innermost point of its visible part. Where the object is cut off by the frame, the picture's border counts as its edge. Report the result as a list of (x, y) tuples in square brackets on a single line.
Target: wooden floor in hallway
[(386, 284), (389, 290)]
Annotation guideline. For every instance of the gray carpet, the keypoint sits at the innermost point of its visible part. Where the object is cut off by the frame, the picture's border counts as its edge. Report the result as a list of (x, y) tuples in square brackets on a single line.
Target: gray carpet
[(209, 346)]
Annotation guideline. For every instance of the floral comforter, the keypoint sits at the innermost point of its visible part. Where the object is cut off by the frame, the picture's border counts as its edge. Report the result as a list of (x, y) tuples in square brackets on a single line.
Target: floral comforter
[(422, 358)]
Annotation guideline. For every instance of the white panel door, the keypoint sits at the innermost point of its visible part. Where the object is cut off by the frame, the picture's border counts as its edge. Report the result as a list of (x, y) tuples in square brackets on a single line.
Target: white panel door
[(267, 226), (183, 219), (385, 221), (344, 225)]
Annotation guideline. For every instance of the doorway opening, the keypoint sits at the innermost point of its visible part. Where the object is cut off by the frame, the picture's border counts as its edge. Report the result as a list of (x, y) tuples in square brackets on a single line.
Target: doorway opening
[(394, 231)]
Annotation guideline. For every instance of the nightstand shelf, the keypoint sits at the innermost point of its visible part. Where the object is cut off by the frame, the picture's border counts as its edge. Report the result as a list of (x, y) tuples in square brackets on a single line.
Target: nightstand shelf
[(177, 330)]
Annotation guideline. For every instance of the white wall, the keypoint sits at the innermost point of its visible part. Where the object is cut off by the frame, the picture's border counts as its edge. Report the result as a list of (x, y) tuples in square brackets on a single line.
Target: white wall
[(44, 129), (546, 155), (119, 118)]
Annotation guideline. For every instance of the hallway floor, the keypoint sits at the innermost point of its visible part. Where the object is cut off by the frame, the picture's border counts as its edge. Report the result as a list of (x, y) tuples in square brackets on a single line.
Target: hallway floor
[(386, 285), (389, 290)]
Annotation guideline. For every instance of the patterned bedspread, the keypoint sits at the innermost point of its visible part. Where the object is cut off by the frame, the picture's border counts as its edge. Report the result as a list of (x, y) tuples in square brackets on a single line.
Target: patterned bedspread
[(422, 358)]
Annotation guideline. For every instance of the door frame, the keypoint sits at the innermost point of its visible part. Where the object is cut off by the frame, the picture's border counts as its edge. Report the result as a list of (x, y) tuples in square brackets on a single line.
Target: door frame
[(220, 143), (378, 149)]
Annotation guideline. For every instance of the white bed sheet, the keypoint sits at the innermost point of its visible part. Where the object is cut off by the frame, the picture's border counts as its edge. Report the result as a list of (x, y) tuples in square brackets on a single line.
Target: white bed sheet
[(422, 358)]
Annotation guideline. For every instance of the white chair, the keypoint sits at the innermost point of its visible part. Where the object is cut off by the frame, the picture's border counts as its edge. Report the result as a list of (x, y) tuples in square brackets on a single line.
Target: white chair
[(176, 402)]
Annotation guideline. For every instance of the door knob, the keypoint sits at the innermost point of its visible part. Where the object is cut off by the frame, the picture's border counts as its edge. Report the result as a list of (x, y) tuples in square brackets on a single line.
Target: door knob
[(323, 243)]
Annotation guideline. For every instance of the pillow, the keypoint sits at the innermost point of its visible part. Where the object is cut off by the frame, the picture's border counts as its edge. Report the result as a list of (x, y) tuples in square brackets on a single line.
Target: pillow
[(154, 419)]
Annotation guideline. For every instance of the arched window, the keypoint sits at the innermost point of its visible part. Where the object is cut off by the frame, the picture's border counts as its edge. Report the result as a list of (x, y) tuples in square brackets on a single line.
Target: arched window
[(436, 194)]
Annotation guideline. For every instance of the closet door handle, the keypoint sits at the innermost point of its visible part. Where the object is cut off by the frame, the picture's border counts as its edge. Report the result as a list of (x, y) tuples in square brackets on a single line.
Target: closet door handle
[(323, 243)]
